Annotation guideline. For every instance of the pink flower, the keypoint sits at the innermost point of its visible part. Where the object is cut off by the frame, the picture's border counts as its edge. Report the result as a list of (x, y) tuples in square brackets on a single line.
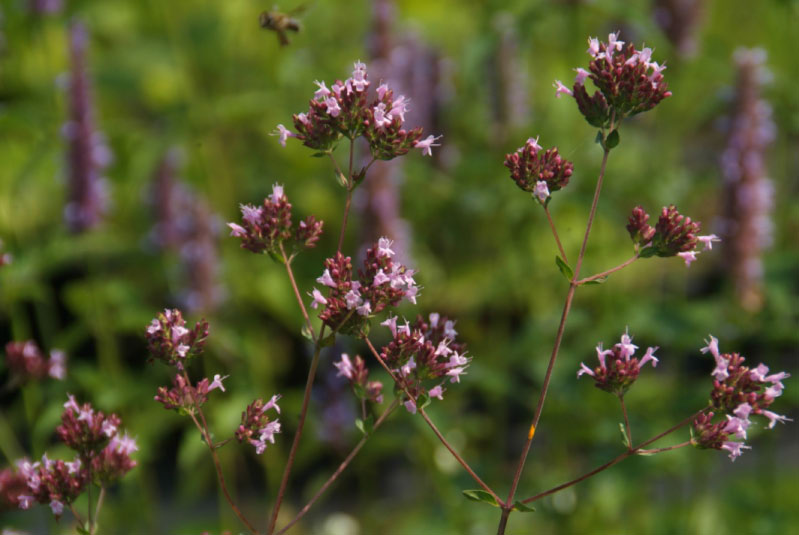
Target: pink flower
[(381, 91), (272, 404), (384, 247), (533, 144), (708, 240), (359, 76), (217, 382), (364, 309), (277, 193), (236, 231), (318, 299), (774, 418), (410, 406), (688, 256), (436, 392), (426, 144), (541, 191), (345, 367), (326, 279), (585, 369), (593, 46), (284, 133), (561, 89), (57, 507), (398, 108), (582, 74), (391, 323), (332, 106), (381, 118), (323, 91), (734, 448)]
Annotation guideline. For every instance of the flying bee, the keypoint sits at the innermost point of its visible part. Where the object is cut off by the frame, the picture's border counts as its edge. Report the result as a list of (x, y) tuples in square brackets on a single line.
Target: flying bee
[(281, 22)]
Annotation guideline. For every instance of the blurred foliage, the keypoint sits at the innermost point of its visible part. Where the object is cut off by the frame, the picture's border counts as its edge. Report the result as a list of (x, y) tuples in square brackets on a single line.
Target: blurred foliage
[(201, 75)]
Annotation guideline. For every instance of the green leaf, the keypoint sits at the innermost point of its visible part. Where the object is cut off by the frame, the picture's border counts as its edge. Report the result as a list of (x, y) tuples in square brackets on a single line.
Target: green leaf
[(564, 268), (306, 332), (81, 530), (599, 137), (612, 140), (600, 280), (478, 495), (328, 340), (342, 180), (644, 453), (422, 400), (648, 252), (522, 508), (318, 154), (359, 390), (276, 257), (624, 438), (366, 426)]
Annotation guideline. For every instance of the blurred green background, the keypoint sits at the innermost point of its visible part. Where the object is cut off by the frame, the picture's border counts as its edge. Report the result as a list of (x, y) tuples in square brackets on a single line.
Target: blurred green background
[(200, 77)]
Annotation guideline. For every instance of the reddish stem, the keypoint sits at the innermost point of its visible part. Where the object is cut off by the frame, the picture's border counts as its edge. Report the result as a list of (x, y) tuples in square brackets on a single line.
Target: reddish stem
[(339, 470), (555, 234), (203, 428), (287, 263), (637, 449), (430, 423), (608, 272), (558, 339)]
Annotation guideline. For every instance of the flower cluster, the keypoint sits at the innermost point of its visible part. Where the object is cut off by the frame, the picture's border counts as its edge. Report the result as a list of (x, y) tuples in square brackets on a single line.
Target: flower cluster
[(344, 110), (618, 369), (169, 341), (13, 484), (255, 423), (85, 430), (537, 171), (358, 375), (26, 361), (673, 235), (349, 303), (738, 392), (423, 352), (267, 227), (184, 396), (627, 81), (103, 456)]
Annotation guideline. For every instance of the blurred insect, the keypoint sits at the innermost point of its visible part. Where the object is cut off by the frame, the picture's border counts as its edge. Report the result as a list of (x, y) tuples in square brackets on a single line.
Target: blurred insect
[(281, 22)]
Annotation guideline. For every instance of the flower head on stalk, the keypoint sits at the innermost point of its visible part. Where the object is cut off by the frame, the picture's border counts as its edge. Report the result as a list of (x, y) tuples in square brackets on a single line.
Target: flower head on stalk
[(349, 303), (345, 110), (424, 356), (537, 171), (85, 430), (265, 228), (103, 456), (170, 341), (618, 369), (627, 82), (355, 371), (184, 397), (673, 235), (738, 393), (256, 427), (26, 361)]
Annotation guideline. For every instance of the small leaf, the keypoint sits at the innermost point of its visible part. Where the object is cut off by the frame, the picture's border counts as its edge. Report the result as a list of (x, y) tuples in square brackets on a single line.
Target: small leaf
[(276, 257), (342, 180), (522, 508), (648, 252), (600, 280), (366, 426), (306, 332), (644, 453), (359, 390), (612, 140), (599, 137), (422, 400), (81, 530), (318, 154), (564, 268), (624, 438), (328, 340), (478, 495)]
